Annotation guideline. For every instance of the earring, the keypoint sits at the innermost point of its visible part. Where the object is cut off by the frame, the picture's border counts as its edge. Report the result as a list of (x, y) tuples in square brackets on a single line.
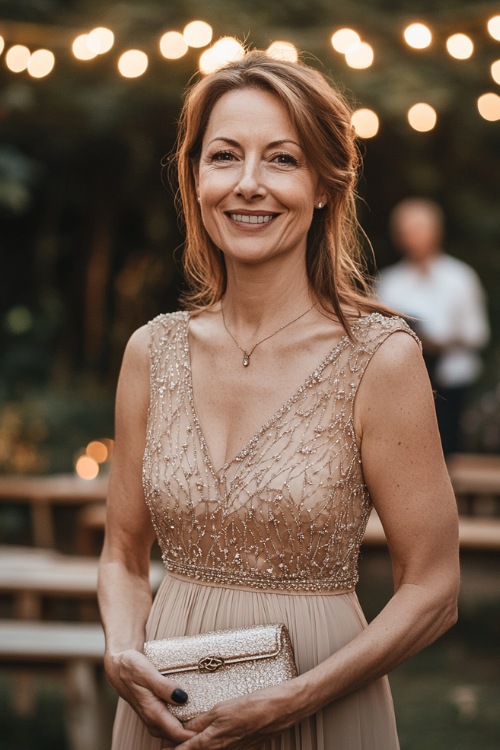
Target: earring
[(199, 199), (320, 205)]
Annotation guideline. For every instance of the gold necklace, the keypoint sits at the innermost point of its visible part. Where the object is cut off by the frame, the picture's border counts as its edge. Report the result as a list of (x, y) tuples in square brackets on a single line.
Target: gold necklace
[(247, 355)]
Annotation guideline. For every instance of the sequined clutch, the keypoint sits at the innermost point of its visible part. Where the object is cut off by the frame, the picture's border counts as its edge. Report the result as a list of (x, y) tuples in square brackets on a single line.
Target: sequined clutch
[(214, 667)]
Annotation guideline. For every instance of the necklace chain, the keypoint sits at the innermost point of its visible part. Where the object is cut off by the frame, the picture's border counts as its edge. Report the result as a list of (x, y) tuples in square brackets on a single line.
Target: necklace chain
[(247, 355)]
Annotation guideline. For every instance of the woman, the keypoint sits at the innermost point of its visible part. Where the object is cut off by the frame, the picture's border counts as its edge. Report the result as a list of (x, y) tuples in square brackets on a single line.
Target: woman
[(271, 416)]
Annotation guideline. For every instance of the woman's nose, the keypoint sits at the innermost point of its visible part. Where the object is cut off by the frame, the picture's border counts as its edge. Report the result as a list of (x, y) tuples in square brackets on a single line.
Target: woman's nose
[(250, 181)]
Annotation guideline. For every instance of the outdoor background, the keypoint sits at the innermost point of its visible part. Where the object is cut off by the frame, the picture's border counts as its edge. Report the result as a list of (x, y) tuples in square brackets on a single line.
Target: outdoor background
[(90, 248)]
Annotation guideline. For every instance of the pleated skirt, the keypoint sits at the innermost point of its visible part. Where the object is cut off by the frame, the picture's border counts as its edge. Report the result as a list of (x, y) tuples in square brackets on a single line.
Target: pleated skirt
[(319, 625)]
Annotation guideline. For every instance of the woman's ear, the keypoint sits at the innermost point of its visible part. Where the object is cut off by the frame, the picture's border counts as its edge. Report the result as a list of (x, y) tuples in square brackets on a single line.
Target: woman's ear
[(321, 197)]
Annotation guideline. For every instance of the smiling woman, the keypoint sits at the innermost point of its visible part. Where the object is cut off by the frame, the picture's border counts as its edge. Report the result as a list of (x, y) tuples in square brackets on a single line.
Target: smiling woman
[(256, 188), (259, 473)]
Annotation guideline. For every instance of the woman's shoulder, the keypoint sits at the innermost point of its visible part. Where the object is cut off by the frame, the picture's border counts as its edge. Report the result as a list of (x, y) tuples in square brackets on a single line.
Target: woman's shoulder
[(168, 321), (155, 334)]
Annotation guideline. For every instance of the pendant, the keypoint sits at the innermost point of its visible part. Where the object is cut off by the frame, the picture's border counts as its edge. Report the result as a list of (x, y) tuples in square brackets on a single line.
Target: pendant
[(246, 359)]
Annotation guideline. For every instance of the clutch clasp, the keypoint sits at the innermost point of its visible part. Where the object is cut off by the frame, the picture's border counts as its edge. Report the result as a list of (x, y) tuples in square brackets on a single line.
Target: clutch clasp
[(210, 663)]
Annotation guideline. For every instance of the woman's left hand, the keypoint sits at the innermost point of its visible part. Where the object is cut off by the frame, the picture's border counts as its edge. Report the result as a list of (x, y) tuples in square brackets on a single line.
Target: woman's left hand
[(242, 723)]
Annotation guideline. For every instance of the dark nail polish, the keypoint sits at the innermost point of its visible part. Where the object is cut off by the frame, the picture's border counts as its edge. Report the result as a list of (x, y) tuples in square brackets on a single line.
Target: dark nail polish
[(179, 696)]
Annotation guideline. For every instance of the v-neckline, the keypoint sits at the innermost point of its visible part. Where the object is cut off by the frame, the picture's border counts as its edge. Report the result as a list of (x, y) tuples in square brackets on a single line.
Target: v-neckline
[(313, 377)]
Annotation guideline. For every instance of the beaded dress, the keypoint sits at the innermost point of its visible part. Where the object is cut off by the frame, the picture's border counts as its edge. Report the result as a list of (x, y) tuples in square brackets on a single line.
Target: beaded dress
[(273, 536)]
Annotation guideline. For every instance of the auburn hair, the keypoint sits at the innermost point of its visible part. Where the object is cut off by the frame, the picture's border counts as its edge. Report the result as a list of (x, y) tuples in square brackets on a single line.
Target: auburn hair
[(322, 118)]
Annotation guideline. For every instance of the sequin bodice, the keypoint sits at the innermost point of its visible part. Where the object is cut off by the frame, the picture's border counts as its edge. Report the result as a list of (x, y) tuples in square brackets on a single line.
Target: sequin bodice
[(289, 512)]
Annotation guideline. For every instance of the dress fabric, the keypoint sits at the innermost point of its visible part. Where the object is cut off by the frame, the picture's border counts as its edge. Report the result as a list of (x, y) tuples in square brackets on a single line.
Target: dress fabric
[(273, 535)]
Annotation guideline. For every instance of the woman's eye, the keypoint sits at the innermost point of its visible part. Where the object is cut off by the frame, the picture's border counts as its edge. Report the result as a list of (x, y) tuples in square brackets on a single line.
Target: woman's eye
[(285, 159), (222, 156)]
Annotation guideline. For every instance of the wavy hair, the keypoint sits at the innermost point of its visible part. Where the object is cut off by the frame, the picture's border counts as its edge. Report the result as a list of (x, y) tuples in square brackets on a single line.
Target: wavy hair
[(322, 118)]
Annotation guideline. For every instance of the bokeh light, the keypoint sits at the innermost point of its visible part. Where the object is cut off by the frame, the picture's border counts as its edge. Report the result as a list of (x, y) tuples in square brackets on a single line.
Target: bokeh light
[(495, 71), (41, 63), (173, 45), (81, 49), (223, 51), (417, 35), (97, 450), (197, 34), (422, 117), (2, 44), (460, 46), (365, 123), (494, 27), (86, 467), (359, 56), (17, 58), (100, 40), (283, 51), (342, 39), (489, 106), (133, 63)]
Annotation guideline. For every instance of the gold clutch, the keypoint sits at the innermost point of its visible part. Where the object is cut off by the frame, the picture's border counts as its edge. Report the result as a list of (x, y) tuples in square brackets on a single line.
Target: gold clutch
[(213, 667)]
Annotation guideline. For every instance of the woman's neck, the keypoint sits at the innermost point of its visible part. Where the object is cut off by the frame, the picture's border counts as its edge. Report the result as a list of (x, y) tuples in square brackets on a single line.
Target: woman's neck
[(257, 297)]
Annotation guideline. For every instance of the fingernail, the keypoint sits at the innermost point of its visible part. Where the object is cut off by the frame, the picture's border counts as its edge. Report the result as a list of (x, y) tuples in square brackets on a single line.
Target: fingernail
[(179, 696)]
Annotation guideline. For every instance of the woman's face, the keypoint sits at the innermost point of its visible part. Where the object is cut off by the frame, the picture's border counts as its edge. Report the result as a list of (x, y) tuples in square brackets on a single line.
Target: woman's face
[(257, 190)]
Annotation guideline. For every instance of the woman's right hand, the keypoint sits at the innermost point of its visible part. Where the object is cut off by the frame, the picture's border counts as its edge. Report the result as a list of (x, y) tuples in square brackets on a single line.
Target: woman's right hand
[(147, 691)]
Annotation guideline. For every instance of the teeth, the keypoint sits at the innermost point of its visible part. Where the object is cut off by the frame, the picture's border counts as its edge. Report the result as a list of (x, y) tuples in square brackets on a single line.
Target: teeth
[(246, 219)]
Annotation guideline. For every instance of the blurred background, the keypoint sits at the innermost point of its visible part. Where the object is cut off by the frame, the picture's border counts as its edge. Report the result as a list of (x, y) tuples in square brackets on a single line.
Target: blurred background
[(90, 246)]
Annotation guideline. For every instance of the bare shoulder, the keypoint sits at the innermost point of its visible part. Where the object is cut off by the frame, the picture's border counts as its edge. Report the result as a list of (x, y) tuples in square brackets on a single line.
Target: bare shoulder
[(398, 353), (395, 385)]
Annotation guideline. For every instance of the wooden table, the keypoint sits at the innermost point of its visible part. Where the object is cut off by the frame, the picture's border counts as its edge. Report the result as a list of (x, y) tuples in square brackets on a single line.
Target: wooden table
[(29, 575), (42, 493)]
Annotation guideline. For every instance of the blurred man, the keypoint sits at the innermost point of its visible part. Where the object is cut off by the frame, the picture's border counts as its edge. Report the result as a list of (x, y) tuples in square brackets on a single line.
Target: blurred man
[(445, 298)]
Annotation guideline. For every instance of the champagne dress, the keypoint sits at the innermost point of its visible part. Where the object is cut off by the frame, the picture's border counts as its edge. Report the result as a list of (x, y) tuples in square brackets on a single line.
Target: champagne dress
[(273, 536)]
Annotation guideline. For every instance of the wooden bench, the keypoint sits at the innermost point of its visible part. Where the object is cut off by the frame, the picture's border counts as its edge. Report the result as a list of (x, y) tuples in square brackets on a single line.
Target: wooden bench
[(475, 533), (42, 493), (29, 575), (76, 650)]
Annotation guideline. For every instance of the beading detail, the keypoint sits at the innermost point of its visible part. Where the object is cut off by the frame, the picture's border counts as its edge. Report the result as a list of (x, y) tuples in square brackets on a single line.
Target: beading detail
[(289, 512)]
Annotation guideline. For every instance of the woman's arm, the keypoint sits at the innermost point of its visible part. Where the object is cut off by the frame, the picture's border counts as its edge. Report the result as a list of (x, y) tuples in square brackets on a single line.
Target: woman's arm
[(124, 591), (407, 478)]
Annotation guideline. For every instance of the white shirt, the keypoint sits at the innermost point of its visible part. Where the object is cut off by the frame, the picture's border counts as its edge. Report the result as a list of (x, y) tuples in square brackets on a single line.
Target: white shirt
[(448, 302)]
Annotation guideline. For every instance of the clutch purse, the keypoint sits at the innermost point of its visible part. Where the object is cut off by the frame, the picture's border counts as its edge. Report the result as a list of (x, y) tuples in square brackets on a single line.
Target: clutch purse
[(213, 667)]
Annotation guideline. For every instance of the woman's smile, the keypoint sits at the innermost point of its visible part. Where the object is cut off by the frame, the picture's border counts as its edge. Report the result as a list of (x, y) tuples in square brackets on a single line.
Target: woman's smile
[(250, 220)]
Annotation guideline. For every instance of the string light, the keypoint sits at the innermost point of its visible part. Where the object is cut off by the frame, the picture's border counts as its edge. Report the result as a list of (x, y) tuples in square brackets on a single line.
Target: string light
[(283, 51), (417, 35), (495, 71), (342, 39), (100, 40), (197, 34), (365, 123), (133, 63), (223, 51), (81, 49), (17, 58), (494, 27), (460, 46), (489, 106), (173, 45), (422, 117), (359, 56), (41, 63)]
